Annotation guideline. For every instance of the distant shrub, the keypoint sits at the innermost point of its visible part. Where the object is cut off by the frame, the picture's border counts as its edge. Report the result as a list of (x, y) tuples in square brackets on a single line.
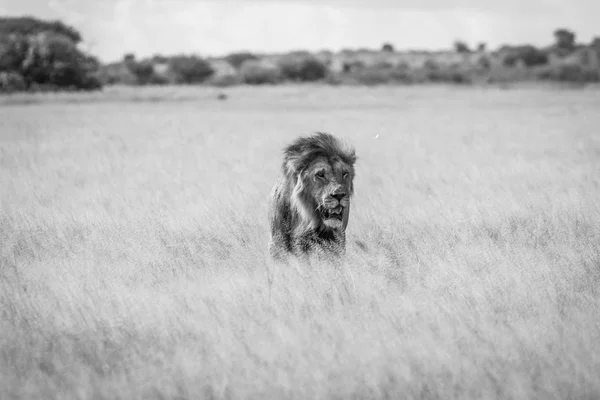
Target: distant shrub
[(431, 65), (374, 76), (570, 73), (387, 47), (334, 79), (449, 75), (254, 72), (117, 73), (383, 74), (11, 82), (461, 47), (529, 55), (352, 66), (91, 82), (383, 65), (303, 69), (160, 59), (143, 72), (190, 69), (565, 39), (237, 59), (501, 74), (484, 62), (225, 80)]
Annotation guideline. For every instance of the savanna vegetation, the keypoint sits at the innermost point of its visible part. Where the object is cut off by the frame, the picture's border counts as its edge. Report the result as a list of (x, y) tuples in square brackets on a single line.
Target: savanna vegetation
[(44, 55), (133, 247)]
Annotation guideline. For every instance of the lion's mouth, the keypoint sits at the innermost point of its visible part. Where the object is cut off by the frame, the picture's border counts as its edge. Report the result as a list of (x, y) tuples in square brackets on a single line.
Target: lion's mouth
[(332, 213)]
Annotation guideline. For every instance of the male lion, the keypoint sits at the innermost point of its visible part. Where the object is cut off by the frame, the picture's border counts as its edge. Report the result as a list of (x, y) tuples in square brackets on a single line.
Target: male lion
[(310, 203)]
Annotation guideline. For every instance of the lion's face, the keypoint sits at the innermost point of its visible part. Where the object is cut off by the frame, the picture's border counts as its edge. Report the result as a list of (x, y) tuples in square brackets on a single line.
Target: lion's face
[(318, 172), (328, 183)]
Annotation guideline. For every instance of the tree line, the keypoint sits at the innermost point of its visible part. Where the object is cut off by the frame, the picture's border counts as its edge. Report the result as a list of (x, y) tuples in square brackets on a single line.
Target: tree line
[(45, 55)]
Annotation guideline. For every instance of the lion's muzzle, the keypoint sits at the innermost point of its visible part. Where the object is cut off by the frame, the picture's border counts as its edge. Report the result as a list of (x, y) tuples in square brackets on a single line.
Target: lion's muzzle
[(332, 209), (332, 213)]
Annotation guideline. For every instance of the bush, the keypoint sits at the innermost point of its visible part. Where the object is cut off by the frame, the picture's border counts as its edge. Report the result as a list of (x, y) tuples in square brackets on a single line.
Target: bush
[(387, 48), (449, 76), (446, 74), (570, 73), (529, 55), (353, 66), (90, 83), (382, 74), (190, 69), (225, 80), (117, 73), (143, 72), (334, 79), (484, 62), (373, 76), (303, 69), (461, 47), (254, 72), (237, 59)]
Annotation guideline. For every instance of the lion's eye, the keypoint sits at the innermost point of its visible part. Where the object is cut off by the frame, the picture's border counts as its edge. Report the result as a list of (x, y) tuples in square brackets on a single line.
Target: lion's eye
[(345, 175), (320, 174)]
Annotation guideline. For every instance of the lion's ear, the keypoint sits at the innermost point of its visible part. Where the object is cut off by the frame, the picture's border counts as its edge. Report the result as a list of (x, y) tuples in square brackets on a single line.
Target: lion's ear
[(352, 157), (293, 166)]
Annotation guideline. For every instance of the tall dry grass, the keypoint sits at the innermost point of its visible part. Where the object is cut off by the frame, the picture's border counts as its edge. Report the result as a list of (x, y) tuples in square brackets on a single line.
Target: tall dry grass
[(133, 248)]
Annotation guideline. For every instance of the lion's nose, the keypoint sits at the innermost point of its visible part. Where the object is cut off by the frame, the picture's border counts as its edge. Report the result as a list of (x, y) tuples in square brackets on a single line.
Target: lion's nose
[(339, 195)]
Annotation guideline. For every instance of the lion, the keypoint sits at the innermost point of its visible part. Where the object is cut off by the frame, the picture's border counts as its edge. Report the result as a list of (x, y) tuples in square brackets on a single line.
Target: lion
[(309, 205)]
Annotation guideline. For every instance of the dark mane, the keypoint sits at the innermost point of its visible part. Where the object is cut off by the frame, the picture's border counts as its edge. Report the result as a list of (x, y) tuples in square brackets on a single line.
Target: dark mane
[(298, 155)]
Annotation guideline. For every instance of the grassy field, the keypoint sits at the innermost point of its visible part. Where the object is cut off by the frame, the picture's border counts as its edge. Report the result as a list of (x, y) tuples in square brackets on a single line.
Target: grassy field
[(133, 240)]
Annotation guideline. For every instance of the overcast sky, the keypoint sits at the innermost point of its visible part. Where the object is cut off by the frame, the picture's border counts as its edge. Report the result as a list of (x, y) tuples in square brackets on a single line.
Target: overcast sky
[(214, 27)]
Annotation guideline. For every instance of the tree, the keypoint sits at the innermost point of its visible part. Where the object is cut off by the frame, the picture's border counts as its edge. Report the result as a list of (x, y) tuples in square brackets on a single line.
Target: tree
[(565, 39), (45, 54), (54, 59), (387, 47), (32, 26), (461, 47), (160, 59), (13, 50), (129, 58)]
